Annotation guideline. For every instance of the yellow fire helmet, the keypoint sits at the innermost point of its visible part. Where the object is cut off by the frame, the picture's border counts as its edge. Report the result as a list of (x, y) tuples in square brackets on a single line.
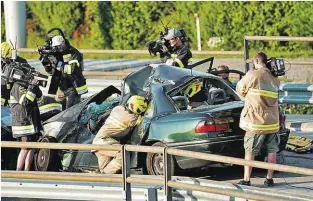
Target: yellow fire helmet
[(6, 50), (193, 88), (137, 104)]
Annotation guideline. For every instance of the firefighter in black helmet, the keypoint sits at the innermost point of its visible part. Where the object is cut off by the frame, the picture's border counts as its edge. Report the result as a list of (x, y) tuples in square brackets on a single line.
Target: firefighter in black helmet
[(179, 55)]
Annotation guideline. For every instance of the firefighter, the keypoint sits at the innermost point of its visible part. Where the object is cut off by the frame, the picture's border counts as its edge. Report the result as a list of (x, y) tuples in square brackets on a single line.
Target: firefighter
[(180, 55), (67, 63), (117, 126), (260, 116), (6, 55), (26, 124)]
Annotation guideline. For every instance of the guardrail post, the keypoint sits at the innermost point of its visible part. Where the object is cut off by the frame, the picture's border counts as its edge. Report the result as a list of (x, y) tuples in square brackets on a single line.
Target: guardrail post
[(152, 194), (127, 196), (246, 53), (167, 175)]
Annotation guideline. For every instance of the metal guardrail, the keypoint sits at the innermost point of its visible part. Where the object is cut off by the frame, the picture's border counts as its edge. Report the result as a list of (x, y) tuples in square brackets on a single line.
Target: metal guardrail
[(269, 38), (296, 94), (292, 62), (167, 181)]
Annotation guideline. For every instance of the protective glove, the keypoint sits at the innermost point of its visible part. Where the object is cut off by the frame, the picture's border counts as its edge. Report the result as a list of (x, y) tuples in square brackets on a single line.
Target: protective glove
[(33, 86), (164, 49)]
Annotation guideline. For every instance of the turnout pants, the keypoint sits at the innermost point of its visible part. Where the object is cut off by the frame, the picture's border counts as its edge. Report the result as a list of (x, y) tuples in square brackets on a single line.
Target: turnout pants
[(110, 162)]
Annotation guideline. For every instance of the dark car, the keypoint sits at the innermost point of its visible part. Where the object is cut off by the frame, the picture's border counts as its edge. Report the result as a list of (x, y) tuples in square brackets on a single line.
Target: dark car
[(208, 124), (9, 155)]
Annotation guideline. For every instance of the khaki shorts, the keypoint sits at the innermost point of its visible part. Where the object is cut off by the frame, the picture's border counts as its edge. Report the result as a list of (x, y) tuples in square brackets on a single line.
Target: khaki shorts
[(253, 143)]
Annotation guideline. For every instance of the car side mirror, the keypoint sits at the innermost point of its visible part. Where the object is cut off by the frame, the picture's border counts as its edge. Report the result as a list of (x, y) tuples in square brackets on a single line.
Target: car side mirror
[(181, 102)]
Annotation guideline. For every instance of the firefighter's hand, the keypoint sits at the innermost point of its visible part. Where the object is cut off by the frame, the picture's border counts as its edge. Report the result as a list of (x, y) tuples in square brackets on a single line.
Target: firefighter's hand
[(164, 49), (33, 86)]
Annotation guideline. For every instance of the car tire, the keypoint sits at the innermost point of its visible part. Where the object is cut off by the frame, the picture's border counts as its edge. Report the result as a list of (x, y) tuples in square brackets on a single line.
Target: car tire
[(46, 159), (154, 162)]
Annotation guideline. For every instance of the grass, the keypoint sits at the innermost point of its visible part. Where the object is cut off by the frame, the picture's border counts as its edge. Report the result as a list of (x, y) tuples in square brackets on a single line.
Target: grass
[(298, 109)]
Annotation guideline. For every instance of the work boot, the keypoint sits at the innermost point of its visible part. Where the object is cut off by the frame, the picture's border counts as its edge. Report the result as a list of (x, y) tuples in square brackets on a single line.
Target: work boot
[(115, 166), (269, 182), (243, 182)]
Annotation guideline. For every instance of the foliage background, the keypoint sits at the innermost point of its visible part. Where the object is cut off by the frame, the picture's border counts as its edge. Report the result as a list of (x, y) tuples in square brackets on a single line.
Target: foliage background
[(129, 25)]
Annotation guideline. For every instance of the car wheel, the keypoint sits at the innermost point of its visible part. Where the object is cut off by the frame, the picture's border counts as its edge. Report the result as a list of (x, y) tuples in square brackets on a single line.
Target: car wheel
[(155, 163), (46, 159)]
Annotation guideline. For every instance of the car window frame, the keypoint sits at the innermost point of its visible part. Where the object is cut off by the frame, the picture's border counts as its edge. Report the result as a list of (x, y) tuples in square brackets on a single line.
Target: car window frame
[(152, 101)]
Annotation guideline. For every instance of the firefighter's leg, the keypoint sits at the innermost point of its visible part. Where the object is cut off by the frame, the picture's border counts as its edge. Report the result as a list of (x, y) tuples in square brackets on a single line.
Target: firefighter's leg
[(104, 157), (115, 165), (72, 98), (103, 160), (21, 159), (29, 160)]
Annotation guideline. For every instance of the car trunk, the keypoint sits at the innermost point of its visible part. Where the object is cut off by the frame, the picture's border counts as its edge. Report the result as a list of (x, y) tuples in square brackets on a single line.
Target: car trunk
[(218, 132), (227, 114)]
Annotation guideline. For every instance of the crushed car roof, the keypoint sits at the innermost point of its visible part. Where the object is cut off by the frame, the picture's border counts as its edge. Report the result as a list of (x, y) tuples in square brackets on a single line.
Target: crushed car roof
[(160, 74)]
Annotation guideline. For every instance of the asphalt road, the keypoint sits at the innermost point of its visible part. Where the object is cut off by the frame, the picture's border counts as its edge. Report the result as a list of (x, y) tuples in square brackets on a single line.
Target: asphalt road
[(284, 182)]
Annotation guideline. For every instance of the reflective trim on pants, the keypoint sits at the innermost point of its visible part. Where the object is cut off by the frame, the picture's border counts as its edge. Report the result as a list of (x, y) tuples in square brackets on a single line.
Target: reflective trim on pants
[(23, 129)]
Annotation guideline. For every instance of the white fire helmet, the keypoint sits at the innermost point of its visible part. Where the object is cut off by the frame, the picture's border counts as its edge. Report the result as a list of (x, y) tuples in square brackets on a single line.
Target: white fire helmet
[(58, 41)]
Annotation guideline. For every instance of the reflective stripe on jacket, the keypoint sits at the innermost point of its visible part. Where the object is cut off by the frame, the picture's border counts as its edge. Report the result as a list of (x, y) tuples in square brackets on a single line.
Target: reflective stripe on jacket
[(260, 114), (179, 57), (49, 107), (73, 72)]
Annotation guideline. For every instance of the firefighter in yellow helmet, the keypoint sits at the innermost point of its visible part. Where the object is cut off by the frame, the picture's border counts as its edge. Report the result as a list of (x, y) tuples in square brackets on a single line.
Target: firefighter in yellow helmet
[(6, 59), (116, 127), (6, 50), (195, 94)]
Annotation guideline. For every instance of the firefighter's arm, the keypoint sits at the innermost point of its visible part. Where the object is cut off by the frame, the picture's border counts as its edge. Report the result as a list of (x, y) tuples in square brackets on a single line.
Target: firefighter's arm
[(183, 58), (39, 96), (243, 86), (50, 63), (70, 67), (25, 96), (164, 57)]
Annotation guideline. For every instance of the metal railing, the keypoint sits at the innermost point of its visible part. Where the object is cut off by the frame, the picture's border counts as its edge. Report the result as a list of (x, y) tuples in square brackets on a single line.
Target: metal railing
[(168, 183), (146, 52), (270, 38), (296, 94)]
